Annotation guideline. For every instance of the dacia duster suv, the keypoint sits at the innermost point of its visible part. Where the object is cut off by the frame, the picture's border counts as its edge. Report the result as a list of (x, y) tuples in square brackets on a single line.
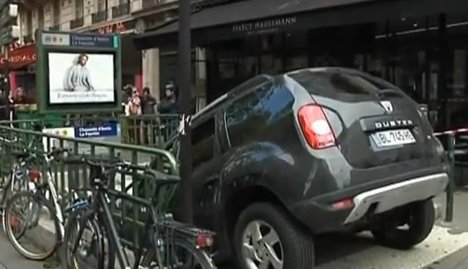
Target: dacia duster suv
[(280, 159)]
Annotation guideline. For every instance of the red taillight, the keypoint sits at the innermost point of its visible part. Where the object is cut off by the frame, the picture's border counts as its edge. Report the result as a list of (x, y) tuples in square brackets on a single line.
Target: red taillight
[(315, 127), (343, 204), (205, 241), (34, 175)]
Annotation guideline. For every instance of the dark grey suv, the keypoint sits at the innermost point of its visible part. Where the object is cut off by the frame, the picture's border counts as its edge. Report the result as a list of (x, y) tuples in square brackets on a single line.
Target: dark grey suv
[(280, 159)]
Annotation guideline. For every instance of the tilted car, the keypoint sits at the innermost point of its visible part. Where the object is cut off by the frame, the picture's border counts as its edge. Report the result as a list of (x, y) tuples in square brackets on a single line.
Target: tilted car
[(281, 159)]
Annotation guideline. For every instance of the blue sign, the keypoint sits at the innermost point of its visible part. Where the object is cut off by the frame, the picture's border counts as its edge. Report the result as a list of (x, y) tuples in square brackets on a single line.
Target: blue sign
[(91, 40), (103, 130)]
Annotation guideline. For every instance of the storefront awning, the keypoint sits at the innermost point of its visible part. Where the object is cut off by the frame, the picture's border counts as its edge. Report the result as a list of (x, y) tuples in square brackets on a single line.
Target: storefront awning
[(243, 18), (19, 57), (266, 15)]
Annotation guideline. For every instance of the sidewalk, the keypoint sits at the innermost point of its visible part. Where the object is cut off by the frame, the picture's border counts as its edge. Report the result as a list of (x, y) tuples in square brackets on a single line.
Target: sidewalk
[(10, 259), (446, 248), (458, 260)]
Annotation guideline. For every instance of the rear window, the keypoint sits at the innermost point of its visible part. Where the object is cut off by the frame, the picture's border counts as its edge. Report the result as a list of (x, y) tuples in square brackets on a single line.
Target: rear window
[(336, 84)]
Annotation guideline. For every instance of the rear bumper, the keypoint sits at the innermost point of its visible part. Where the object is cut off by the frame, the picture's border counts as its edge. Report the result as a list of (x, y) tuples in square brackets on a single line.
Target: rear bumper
[(318, 215), (395, 195)]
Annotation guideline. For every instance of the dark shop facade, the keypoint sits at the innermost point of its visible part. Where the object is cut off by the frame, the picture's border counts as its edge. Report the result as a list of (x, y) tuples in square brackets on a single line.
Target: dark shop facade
[(419, 45)]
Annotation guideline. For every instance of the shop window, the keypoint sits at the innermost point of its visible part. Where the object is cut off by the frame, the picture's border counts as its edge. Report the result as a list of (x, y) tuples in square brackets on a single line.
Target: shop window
[(295, 62), (459, 73), (248, 67), (25, 93), (227, 69), (271, 64)]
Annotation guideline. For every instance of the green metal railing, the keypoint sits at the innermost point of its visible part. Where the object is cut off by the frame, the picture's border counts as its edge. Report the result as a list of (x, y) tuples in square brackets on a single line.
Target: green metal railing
[(148, 130), (69, 178)]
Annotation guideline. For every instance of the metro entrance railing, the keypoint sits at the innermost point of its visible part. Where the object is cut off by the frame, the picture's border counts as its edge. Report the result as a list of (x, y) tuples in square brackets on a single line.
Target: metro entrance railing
[(75, 177)]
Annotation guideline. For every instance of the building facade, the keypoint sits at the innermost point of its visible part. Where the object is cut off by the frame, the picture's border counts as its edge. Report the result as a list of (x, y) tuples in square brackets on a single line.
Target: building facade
[(126, 17)]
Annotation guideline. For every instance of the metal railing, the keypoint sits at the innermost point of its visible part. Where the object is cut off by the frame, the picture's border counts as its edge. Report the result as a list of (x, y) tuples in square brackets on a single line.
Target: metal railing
[(152, 3), (76, 23), (121, 10), (76, 177), (148, 130), (145, 130)]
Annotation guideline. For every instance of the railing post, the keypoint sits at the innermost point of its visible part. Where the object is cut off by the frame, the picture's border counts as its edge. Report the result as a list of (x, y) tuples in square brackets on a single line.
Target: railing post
[(451, 183)]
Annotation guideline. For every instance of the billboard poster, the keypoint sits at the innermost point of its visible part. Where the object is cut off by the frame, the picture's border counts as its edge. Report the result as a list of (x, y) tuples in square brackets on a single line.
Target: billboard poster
[(81, 78)]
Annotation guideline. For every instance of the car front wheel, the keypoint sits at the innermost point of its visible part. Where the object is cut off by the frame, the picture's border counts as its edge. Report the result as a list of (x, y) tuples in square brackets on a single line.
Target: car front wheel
[(266, 237), (412, 226)]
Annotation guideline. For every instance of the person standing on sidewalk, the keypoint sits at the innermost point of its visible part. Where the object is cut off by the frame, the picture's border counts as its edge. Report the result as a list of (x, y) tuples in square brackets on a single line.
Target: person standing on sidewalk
[(167, 107), (133, 110), (148, 102)]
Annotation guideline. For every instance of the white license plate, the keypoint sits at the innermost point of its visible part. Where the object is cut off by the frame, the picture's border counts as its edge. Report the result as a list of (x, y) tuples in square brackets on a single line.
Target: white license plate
[(393, 138)]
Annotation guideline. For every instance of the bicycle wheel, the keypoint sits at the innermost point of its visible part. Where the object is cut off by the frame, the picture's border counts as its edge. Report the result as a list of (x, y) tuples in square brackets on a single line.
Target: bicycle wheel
[(33, 229), (12, 185), (179, 254), (83, 244)]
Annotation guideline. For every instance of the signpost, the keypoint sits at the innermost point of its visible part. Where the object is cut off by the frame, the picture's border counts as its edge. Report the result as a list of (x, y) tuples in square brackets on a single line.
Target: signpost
[(78, 72), (184, 64)]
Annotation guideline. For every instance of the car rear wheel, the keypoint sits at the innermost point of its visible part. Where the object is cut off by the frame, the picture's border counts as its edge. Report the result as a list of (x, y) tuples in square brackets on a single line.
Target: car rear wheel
[(411, 228), (266, 237)]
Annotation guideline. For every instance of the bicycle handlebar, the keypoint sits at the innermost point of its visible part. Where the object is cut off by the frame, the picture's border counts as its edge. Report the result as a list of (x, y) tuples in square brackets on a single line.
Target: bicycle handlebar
[(110, 165), (28, 156)]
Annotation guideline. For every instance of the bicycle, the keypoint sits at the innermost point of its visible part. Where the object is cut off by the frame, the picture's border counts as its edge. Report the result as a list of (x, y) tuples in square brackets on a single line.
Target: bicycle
[(18, 175), (167, 237), (42, 198)]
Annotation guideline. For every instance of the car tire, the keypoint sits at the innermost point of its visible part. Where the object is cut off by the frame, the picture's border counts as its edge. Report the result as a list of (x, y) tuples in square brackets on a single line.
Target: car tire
[(422, 217), (295, 244)]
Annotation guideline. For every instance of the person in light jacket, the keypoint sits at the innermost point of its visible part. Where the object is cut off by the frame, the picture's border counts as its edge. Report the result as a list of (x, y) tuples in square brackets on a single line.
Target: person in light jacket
[(78, 77)]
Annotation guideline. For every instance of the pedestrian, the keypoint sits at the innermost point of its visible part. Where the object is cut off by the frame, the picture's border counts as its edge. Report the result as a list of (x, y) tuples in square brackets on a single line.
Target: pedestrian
[(169, 104), (133, 110), (168, 107), (148, 103)]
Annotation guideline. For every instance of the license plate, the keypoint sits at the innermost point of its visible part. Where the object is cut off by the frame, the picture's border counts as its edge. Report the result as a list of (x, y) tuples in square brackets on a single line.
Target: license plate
[(393, 138)]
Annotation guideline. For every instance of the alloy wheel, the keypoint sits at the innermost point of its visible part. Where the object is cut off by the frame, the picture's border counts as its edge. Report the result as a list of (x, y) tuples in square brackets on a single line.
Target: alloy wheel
[(262, 247)]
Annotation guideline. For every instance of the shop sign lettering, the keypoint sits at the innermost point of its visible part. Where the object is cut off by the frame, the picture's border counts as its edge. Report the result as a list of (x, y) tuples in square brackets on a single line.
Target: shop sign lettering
[(112, 28), (264, 26), (20, 58)]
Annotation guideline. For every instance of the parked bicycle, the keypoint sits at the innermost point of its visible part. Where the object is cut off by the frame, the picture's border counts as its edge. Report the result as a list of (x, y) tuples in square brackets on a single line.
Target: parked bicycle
[(171, 244), (25, 209), (18, 176)]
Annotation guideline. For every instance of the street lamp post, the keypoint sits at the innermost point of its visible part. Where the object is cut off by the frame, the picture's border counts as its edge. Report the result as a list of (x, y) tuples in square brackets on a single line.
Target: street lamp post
[(184, 77)]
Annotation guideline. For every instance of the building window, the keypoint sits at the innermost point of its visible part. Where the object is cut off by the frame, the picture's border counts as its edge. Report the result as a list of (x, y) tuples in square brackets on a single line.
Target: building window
[(103, 5), (79, 9), (57, 13), (40, 18), (29, 23)]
